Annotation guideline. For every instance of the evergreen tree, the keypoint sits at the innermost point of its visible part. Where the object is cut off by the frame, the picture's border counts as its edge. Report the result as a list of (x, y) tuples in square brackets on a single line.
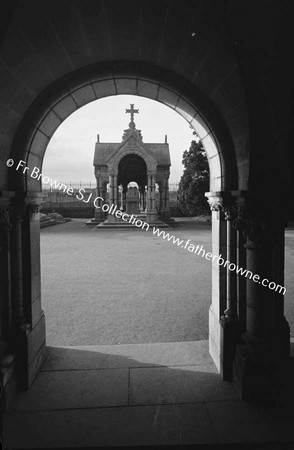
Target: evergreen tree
[(194, 181)]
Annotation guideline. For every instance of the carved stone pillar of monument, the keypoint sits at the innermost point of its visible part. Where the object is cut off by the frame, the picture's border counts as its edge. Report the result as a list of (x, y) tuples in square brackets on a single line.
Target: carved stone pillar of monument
[(124, 195), (113, 197), (151, 208), (99, 215), (142, 199), (165, 210)]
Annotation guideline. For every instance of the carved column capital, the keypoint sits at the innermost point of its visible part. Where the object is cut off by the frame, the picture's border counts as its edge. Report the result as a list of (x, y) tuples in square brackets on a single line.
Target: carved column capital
[(17, 213), (215, 201), (230, 211), (34, 208), (257, 217), (5, 219), (255, 230), (239, 221), (222, 201)]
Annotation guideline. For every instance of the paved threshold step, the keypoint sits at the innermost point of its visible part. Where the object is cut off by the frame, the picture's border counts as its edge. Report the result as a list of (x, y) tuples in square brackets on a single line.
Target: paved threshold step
[(127, 355), (139, 395)]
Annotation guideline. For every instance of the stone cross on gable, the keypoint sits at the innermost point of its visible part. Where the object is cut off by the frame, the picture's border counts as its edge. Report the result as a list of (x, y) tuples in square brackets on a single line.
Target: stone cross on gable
[(132, 111)]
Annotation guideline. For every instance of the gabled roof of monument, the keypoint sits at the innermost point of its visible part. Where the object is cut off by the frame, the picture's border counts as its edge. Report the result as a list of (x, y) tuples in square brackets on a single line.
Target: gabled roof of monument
[(160, 152), (105, 151)]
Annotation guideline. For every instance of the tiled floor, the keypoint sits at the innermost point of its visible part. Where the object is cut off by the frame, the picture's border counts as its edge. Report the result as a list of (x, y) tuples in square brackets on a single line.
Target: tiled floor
[(141, 394)]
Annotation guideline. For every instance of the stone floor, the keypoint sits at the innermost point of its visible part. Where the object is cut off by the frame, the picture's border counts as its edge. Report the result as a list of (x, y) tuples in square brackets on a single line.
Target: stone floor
[(140, 395)]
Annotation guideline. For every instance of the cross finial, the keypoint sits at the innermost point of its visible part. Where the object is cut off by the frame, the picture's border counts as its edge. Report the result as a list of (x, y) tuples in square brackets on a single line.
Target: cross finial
[(132, 111)]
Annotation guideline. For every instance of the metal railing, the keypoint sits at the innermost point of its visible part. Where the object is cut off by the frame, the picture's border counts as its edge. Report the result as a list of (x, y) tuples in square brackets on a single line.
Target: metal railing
[(54, 197)]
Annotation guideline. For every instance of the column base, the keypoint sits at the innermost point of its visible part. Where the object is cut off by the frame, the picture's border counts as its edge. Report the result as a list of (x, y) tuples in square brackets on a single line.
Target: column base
[(261, 369), (214, 337), (29, 348), (229, 337), (9, 383), (151, 216), (111, 218), (165, 214), (99, 215)]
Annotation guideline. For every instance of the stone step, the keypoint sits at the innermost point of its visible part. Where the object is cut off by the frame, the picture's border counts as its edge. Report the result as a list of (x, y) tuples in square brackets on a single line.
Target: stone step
[(121, 224), (127, 355)]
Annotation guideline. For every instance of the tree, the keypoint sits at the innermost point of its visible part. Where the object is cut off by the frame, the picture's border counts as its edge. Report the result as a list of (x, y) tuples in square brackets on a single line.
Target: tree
[(194, 181)]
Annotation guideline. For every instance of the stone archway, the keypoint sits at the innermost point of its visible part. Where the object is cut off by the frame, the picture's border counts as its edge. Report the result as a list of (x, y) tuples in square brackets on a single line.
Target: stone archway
[(187, 56), (217, 144)]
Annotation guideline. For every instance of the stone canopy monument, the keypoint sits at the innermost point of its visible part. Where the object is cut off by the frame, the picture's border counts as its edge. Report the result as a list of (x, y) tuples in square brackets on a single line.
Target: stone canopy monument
[(128, 162)]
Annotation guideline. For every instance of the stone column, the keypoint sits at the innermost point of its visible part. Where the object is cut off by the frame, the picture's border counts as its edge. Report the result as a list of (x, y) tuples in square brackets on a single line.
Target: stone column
[(113, 197), (153, 190), (104, 192), (239, 225), (151, 209), (20, 326), (125, 189), (144, 200), (261, 359), (16, 265), (219, 276), (165, 211), (5, 286), (110, 217), (231, 310), (99, 215), (36, 338), (149, 187), (115, 188), (111, 193), (230, 328), (121, 198), (7, 381), (161, 200)]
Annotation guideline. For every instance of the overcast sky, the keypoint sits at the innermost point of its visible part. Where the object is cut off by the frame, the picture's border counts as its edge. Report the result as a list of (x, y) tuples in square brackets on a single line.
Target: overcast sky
[(69, 156)]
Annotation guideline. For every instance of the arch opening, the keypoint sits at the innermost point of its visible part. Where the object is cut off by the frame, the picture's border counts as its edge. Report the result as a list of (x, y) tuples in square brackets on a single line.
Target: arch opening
[(56, 105), (132, 168)]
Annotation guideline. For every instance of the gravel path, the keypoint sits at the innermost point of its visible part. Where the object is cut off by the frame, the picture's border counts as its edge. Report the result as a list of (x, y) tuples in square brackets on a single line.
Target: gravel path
[(110, 287), (119, 287)]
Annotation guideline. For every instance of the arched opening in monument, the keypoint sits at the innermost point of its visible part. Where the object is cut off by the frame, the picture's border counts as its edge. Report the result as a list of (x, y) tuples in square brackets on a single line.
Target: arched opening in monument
[(132, 181)]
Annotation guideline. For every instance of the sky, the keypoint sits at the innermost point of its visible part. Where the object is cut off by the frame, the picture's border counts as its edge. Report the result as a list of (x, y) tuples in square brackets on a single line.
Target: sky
[(70, 153)]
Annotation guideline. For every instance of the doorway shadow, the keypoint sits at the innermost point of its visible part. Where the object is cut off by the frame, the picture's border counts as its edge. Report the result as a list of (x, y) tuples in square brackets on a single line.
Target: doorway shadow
[(87, 397)]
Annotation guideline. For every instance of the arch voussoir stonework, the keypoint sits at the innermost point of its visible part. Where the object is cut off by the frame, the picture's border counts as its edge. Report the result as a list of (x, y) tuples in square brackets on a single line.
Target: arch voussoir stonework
[(62, 103)]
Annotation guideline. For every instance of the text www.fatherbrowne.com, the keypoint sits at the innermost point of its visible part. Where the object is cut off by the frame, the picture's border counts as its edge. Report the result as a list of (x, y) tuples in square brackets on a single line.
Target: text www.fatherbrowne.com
[(35, 173), (200, 251)]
